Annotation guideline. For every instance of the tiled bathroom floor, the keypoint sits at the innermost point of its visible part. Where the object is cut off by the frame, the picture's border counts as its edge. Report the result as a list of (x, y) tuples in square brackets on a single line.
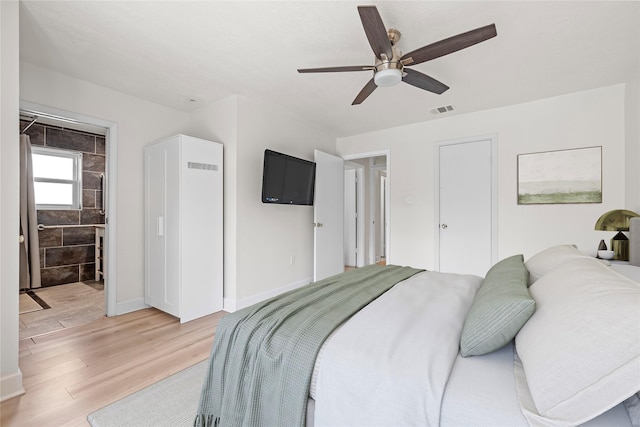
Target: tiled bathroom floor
[(71, 305)]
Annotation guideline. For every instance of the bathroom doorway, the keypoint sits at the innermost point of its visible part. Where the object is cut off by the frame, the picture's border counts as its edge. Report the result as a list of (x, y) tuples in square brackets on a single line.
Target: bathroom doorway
[(75, 234)]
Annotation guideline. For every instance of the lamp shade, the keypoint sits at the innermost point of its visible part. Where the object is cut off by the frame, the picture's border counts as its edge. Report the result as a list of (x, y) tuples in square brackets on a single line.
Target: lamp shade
[(615, 220)]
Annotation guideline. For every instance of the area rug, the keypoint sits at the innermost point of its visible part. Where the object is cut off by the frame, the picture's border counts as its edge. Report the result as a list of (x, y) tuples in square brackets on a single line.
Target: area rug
[(171, 402), (27, 304)]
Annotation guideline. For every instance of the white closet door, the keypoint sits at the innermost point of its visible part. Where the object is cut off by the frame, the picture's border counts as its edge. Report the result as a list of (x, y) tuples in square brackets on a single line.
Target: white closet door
[(184, 230), (155, 194), (465, 195)]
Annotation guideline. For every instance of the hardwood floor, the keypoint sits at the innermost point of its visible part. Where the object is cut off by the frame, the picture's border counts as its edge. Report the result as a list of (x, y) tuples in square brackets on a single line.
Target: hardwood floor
[(350, 267), (70, 373)]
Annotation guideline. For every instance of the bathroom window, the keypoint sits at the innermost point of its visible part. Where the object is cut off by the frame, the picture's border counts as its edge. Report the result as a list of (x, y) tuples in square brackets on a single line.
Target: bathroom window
[(57, 178)]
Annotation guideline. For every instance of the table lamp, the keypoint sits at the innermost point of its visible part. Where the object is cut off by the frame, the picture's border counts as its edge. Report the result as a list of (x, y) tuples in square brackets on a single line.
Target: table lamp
[(617, 220)]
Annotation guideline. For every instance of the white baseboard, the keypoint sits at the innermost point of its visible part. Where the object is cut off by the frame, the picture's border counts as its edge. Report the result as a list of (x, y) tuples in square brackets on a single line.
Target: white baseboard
[(11, 386), (128, 306), (231, 305)]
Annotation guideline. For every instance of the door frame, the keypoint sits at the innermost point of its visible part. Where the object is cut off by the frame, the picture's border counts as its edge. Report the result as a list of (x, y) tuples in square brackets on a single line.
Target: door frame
[(493, 138), (359, 207), (371, 226), (376, 200), (111, 168), (384, 201)]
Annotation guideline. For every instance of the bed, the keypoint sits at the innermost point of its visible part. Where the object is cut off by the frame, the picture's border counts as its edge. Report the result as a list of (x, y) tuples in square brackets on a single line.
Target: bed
[(554, 341)]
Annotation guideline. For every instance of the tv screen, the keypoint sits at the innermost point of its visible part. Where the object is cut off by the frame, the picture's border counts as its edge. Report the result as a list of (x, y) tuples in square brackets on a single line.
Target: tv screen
[(287, 180)]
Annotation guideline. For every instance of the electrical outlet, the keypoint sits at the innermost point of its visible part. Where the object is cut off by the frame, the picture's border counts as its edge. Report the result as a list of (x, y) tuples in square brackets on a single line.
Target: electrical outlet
[(292, 259)]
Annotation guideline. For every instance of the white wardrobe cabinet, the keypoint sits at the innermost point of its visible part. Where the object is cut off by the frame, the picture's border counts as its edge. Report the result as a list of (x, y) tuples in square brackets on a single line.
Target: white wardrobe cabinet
[(183, 226)]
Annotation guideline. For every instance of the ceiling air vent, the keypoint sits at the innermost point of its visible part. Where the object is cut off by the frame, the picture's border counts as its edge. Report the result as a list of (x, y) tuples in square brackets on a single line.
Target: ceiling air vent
[(444, 109)]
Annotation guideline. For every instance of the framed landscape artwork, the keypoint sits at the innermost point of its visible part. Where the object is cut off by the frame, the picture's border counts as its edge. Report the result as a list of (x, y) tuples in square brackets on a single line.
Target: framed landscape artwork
[(563, 176)]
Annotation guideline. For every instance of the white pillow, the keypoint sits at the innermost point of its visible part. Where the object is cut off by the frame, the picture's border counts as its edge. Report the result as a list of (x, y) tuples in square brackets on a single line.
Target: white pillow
[(549, 259), (581, 348)]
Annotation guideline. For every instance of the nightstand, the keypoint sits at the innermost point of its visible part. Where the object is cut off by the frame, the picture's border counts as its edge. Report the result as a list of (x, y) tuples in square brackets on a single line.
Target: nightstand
[(626, 269)]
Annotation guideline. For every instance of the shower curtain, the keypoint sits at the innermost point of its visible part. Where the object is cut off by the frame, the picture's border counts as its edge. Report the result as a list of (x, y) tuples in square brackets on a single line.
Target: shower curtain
[(29, 247)]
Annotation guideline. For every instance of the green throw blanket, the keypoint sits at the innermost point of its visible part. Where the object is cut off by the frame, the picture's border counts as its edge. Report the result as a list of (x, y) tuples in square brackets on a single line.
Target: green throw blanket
[(263, 356)]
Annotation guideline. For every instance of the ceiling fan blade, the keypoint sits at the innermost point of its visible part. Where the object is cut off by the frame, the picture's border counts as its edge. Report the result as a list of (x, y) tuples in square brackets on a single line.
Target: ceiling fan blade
[(336, 69), (422, 81), (375, 31), (450, 45), (365, 92)]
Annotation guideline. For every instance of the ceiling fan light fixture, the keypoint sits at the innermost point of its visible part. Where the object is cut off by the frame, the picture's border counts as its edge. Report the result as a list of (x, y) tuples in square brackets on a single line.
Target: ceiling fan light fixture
[(388, 68), (388, 77)]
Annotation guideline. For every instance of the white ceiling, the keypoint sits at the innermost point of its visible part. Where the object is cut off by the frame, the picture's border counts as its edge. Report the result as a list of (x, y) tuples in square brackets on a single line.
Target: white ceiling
[(178, 51)]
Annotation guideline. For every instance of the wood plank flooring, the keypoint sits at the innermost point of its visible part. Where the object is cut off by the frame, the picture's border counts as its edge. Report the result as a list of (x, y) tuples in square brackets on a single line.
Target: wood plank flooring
[(70, 373)]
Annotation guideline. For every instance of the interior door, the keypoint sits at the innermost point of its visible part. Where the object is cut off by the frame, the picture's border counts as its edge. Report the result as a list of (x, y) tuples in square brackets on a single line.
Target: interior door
[(350, 218), (328, 216), (466, 205)]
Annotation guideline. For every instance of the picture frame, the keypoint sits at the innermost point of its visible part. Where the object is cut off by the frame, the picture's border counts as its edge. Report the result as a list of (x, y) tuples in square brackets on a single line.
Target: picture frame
[(560, 177)]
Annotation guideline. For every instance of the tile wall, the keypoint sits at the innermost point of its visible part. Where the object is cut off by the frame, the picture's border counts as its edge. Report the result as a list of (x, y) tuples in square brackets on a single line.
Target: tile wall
[(67, 254)]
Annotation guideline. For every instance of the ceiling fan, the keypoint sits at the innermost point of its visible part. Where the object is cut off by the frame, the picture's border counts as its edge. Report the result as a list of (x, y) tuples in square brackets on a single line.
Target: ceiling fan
[(389, 68)]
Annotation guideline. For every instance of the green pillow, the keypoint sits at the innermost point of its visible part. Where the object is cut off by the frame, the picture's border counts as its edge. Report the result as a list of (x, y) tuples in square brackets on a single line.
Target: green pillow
[(501, 307)]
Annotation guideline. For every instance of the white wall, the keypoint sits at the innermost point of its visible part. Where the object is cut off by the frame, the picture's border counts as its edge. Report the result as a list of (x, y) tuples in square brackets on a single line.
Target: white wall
[(139, 123), (632, 159), (260, 238), (590, 118), (10, 376), (268, 234)]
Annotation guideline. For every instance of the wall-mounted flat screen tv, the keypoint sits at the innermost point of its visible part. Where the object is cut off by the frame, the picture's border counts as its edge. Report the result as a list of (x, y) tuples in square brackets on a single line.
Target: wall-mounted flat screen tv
[(287, 180)]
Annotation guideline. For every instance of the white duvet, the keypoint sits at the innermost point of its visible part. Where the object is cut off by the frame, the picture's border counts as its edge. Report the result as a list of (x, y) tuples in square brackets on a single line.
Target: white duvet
[(389, 364)]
